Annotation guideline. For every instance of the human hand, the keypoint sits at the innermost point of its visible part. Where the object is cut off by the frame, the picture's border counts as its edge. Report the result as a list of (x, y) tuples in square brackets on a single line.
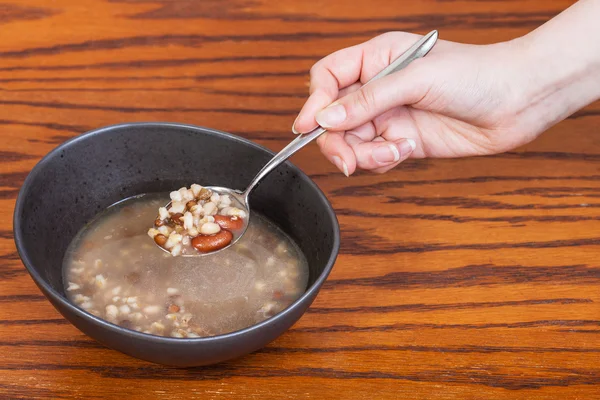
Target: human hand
[(460, 100), (457, 101)]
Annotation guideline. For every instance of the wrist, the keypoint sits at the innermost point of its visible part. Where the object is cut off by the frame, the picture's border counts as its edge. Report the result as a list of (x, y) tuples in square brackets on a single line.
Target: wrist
[(559, 64)]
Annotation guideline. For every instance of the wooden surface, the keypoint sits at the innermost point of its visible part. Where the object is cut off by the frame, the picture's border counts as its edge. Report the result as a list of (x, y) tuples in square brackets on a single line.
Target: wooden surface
[(457, 279)]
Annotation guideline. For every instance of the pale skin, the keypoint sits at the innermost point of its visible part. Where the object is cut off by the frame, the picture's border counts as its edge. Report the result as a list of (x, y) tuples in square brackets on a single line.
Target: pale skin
[(460, 100)]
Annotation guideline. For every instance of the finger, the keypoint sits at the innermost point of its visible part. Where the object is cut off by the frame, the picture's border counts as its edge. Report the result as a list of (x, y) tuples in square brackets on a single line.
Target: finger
[(380, 153), (400, 123), (305, 121), (349, 89), (327, 77), (337, 151), (344, 67), (401, 88), (365, 132), (315, 103)]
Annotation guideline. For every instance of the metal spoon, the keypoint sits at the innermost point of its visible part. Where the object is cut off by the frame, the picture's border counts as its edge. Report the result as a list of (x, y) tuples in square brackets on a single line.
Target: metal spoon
[(418, 50)]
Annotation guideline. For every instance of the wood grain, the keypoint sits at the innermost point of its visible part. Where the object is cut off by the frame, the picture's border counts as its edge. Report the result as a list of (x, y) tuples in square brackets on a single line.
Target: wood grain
[(458, 279)]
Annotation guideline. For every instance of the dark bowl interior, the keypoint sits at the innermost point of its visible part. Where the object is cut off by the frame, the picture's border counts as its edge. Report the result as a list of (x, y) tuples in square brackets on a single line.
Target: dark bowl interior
[(90, 172)]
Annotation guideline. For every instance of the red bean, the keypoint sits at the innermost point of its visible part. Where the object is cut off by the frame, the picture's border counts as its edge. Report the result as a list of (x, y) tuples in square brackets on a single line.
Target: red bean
[(210, 243), (177, 218), (160, 240), (232, 223)]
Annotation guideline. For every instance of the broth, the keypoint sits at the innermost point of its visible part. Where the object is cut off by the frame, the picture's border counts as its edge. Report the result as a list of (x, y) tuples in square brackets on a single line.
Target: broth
[(114, 270)]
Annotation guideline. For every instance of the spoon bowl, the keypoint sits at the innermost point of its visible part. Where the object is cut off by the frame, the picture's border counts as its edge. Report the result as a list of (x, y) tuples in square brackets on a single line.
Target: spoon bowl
[(241, 201)]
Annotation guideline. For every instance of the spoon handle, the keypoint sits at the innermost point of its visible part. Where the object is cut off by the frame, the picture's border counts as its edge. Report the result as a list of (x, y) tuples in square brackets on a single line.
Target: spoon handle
[(418, 50)]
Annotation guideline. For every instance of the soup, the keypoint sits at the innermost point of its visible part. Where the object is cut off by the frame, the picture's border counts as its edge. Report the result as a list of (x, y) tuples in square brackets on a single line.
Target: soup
[(114, 270)]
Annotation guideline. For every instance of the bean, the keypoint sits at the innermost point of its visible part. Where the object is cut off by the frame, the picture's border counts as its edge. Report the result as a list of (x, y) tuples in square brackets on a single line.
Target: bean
[(158, 222), (131, 300), (188, 220), (210, 228), (151, 309), (111, 311), (86, 305), (232, 223), (176, 196), (177, 207), (204, 194), (196, 189), (100, 281), (187, 194), (210, 208), (137, 316), (177, 218), (197, 209), (177, 249), (207, 244), (225, 201), (157, 327), (174, 239), (190, 204), (237, 212), (163, 230), (173, 308), (79, 298), (163, 213), (160, 240), (277, 295), (171, 317)]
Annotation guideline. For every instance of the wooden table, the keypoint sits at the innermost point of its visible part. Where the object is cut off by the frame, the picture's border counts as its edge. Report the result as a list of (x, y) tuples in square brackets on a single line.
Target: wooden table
[(457, 279)]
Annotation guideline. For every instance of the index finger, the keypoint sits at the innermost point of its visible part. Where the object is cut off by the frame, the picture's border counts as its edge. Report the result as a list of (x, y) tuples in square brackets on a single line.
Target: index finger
[(327, 77), (338, 70)]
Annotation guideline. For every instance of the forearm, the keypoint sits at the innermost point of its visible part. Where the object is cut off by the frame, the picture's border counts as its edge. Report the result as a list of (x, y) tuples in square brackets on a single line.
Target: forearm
[(562, 58)]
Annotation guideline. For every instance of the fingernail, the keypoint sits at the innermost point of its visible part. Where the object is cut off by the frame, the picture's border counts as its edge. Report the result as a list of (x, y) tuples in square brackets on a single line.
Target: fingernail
[(393, 152), (341, 165), (331, 116), (297, 132)]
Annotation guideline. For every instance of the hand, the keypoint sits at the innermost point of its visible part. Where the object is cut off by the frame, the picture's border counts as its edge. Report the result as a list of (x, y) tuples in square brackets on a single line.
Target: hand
[(457, 101), (460, 100)]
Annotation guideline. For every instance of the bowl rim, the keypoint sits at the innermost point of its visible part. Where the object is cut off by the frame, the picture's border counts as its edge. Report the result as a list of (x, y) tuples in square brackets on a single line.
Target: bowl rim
[(50, 292)]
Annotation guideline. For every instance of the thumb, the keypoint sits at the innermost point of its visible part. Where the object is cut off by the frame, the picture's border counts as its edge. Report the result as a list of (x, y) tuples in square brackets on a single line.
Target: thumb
[(404, 87)]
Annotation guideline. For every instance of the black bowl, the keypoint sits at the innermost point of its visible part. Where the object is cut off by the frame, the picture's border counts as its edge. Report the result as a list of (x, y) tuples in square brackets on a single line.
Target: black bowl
[(85, 175)]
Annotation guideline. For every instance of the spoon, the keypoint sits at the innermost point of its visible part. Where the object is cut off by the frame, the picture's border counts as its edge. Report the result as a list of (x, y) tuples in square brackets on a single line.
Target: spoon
[(418, 50)]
